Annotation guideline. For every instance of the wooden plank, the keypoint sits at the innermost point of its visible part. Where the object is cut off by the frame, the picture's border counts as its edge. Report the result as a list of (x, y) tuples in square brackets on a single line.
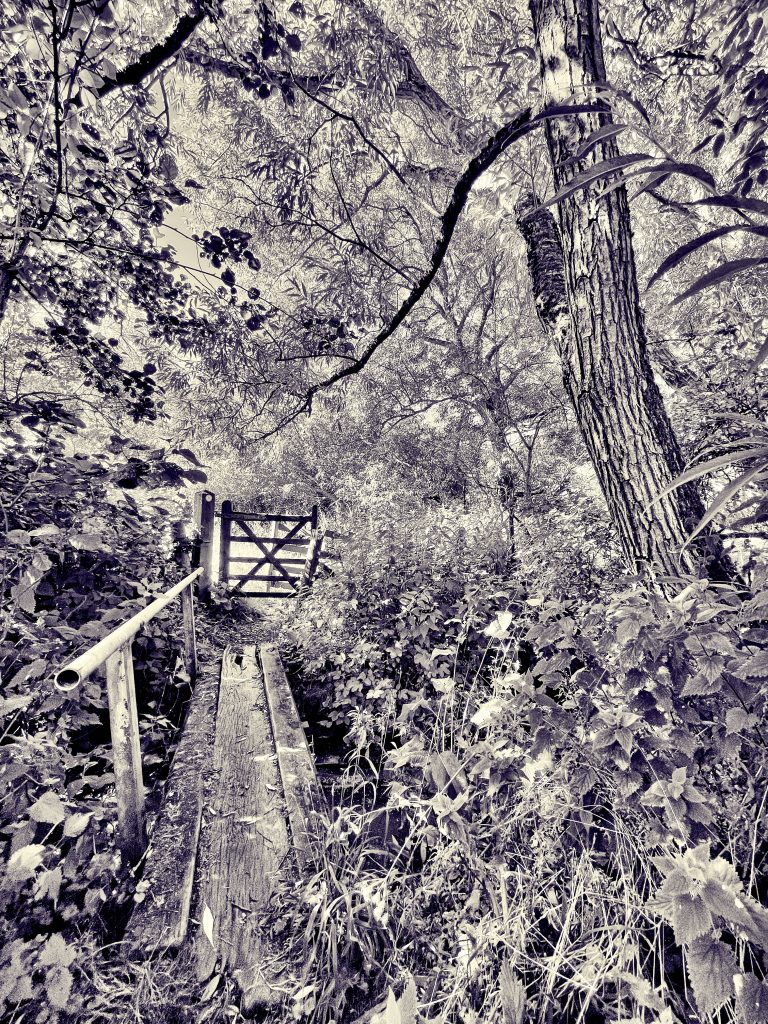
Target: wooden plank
[(245, 838), (226, 533), (303, 796), (268, 593), (160, 922), (126, 753)]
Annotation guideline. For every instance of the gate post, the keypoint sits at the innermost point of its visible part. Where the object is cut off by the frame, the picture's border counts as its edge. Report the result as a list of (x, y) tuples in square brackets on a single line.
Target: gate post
[(205, 506), (226, 533)]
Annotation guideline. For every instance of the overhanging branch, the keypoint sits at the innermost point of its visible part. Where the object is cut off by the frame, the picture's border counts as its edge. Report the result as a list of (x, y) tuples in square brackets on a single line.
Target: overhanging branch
[(521, 125)]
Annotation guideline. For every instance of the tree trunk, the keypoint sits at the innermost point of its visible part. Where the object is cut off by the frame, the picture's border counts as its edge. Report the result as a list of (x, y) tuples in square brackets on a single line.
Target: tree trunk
[(589, 300)]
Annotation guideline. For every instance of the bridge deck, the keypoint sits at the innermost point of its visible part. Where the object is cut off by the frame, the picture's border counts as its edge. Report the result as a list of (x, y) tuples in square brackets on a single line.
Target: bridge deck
[(238, 816)]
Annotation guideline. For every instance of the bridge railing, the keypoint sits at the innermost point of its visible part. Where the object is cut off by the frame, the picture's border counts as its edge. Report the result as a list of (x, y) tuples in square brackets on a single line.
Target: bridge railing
[(115, 651)]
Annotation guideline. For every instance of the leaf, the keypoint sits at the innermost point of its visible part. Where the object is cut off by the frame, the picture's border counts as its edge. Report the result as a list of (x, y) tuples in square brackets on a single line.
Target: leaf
[(512, 993), (76, 824), (734, 203), (711, 466), (11, 704), (719, 275), (606, 131), (407, 1003), (25, 861), (56, 952), (751, 999), (738, 720), (189, 456), (86, 541), (685, 250), (499, 628), (690, 919), (760, 357), (488, 713), (725, 496), (58, 987), (711, 967), (207, 924), (599, 170), (392, 1010), (48, 885), (48, 809)]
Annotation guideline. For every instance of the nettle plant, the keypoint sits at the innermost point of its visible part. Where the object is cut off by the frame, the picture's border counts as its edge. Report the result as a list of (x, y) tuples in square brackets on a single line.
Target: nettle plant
[(580, 800), (87, 537)]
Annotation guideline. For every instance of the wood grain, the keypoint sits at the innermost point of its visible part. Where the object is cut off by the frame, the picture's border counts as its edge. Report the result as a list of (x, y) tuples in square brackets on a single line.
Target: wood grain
[(245, 837)]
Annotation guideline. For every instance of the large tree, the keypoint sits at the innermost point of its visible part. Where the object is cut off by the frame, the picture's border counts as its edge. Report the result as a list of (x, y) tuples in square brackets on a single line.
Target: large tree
[(586, 285)]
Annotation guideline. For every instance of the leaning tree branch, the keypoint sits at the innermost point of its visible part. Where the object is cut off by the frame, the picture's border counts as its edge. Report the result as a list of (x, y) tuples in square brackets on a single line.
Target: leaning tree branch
[(150, 61), (520, 126)]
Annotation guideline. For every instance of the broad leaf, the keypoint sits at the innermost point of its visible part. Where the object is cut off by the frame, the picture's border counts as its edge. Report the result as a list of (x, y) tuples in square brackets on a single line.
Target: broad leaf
[(711, 967)]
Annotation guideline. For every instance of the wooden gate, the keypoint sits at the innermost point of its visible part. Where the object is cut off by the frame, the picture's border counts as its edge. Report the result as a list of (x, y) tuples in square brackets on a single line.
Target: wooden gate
[(274, 554)]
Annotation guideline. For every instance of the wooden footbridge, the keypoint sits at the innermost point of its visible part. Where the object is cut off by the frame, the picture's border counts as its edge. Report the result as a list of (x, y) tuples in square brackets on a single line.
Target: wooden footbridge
[(242, 797)]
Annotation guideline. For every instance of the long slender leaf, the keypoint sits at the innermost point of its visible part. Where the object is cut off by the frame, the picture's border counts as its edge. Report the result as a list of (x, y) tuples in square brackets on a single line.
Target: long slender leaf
[(695, 472), (599, 170), (685, 250), (720, 274), (742, 203), (755, 472), (762, 352), (606, 131)]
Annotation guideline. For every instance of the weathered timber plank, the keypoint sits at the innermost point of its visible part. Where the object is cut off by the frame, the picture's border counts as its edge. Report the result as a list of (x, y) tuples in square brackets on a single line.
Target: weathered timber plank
[(303, 796), (245, 836), (160, 922)]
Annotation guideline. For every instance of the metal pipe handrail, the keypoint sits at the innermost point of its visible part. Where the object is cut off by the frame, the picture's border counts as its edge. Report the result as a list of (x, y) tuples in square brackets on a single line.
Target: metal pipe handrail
[(84, 665)]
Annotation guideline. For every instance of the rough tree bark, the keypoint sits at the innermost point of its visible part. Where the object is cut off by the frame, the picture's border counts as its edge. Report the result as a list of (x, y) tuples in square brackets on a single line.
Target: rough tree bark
[(587, 295)]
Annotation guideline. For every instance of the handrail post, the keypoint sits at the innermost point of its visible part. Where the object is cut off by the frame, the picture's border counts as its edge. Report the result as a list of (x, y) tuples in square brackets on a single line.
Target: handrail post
[(190, 642), (226, 538), (205, 506), (126, 753)]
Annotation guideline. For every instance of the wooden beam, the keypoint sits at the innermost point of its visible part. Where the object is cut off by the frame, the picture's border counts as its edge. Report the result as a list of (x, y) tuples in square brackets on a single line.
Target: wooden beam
[(264, 517), (126, 754), (303, 796), (161, 920)]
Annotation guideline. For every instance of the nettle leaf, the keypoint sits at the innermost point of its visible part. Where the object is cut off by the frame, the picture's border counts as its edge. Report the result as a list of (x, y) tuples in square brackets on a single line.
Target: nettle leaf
[(751, 999), (25, 861), (690, 919), (711, 967), (739, 720), (49, 809), (58, 986), (56, 953)]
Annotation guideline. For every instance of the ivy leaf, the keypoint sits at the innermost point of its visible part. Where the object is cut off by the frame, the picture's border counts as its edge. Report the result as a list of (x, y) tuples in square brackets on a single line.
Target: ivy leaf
[(711, 967)]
